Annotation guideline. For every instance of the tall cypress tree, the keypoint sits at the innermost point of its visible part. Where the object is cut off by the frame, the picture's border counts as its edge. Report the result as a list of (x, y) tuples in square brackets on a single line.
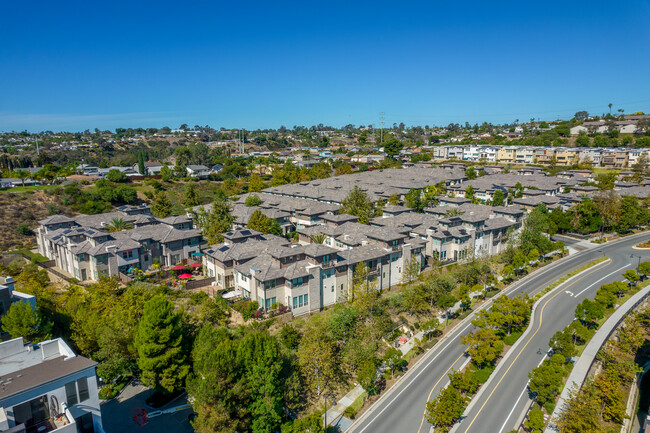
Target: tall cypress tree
[(159, 341), (141, 162)]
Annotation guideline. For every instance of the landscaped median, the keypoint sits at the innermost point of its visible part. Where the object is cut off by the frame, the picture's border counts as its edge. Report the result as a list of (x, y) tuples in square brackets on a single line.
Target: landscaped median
[(547, 380)]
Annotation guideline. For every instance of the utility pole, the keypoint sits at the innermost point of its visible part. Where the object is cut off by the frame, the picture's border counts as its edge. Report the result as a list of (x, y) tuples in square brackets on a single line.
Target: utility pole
[(381, 131)]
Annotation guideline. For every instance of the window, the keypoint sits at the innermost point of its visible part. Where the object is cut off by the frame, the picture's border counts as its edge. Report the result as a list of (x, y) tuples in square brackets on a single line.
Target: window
[(332, 288), (32, 412), (71, 394), (300, 301), (269, 284), (82, 384), (85, 423), (326, 259), (128, 254), (146, 257)]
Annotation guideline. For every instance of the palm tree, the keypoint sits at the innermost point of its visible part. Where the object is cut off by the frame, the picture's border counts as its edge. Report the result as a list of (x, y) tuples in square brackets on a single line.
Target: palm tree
[(22, 175), (610, 107), (118, 224), (453, 212), (318, 238)]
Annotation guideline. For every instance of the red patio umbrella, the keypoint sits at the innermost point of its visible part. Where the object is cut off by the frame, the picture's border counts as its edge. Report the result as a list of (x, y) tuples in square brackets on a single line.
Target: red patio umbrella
[(196, 265), (178, 268), (184, 276)]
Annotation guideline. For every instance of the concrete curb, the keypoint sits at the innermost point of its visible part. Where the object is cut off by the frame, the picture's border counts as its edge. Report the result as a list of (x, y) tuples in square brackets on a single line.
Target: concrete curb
[(519, 342), (586, 360)]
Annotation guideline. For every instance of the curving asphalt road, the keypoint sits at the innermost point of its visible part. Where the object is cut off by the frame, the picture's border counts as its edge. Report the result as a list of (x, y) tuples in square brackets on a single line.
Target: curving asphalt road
[(500, 402)]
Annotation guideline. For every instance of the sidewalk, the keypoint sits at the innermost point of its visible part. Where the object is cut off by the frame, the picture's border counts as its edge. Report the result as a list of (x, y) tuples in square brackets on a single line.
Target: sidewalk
[(335, 413), (586, 360)]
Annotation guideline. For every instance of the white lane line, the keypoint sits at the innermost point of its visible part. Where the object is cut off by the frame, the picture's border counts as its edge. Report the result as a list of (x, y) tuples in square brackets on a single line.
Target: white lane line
[(569, 293), (520, 396), (590, 286), (413, 380)]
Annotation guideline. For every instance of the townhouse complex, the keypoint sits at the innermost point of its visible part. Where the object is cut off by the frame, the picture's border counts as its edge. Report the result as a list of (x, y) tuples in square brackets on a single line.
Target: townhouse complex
[(47, 388), (317, 267), (600, 157), (84, 246)]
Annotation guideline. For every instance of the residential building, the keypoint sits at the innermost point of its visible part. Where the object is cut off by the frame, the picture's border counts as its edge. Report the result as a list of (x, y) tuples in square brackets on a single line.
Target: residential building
[(47, 388), (84, 247)]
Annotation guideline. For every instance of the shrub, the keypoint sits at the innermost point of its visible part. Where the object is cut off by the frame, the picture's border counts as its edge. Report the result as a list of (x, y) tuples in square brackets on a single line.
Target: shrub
[(23, 229)]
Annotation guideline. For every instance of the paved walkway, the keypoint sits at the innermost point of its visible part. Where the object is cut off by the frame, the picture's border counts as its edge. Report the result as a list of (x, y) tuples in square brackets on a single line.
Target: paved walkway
[(586, 360), (335, 413)]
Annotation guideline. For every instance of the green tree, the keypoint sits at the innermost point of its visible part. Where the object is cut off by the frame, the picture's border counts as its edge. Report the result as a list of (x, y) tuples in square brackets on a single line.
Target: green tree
[(589, 312), (505, 313), (393, 200), (519, 260), (498, 198), (631, 276), (578, 332), (469, 192), (159, 341), (191, 198), (260, 222), (447, 408), (644, 268), (471, 173), (534, 234), (358, 203), (255, 183), (23, 320), (484, 346), (344, 168), (253, 200), (562, 344), (319, 361), (22, 175), (546, 380), (115, 175), (533, 255), (118, 224), (508, 272), (161, 206), (141, 167), (535, 422), (392, 147), (411, 269), (216, 221), (413, 199), (393, 359)]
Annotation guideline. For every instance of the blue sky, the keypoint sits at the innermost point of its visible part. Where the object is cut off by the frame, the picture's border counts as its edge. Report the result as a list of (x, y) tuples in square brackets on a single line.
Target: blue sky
[(74, 65)]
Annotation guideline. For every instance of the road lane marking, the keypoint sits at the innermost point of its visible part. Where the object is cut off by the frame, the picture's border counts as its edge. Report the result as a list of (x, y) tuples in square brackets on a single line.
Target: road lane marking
[(436, 384), (569, 293), (413, 380), (520, 396), (541, 319), (590, 286)]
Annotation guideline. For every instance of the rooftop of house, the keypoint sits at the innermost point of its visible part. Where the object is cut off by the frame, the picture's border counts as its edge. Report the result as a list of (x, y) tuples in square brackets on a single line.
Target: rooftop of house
[(24, 366)]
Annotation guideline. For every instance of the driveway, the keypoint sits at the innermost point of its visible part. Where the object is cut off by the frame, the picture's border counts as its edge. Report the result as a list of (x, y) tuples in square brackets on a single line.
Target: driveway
[(116, 413)]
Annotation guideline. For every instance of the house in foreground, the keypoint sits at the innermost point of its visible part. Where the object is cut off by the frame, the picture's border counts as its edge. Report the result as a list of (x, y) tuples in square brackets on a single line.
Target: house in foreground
[(45, 387)]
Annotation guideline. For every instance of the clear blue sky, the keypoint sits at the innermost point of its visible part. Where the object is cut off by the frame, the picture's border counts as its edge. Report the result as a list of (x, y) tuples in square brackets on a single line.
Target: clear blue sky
[(72, 65)]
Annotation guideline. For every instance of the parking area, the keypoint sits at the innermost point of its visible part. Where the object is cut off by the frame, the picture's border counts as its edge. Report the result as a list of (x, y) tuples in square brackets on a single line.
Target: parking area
[(117, 418)]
